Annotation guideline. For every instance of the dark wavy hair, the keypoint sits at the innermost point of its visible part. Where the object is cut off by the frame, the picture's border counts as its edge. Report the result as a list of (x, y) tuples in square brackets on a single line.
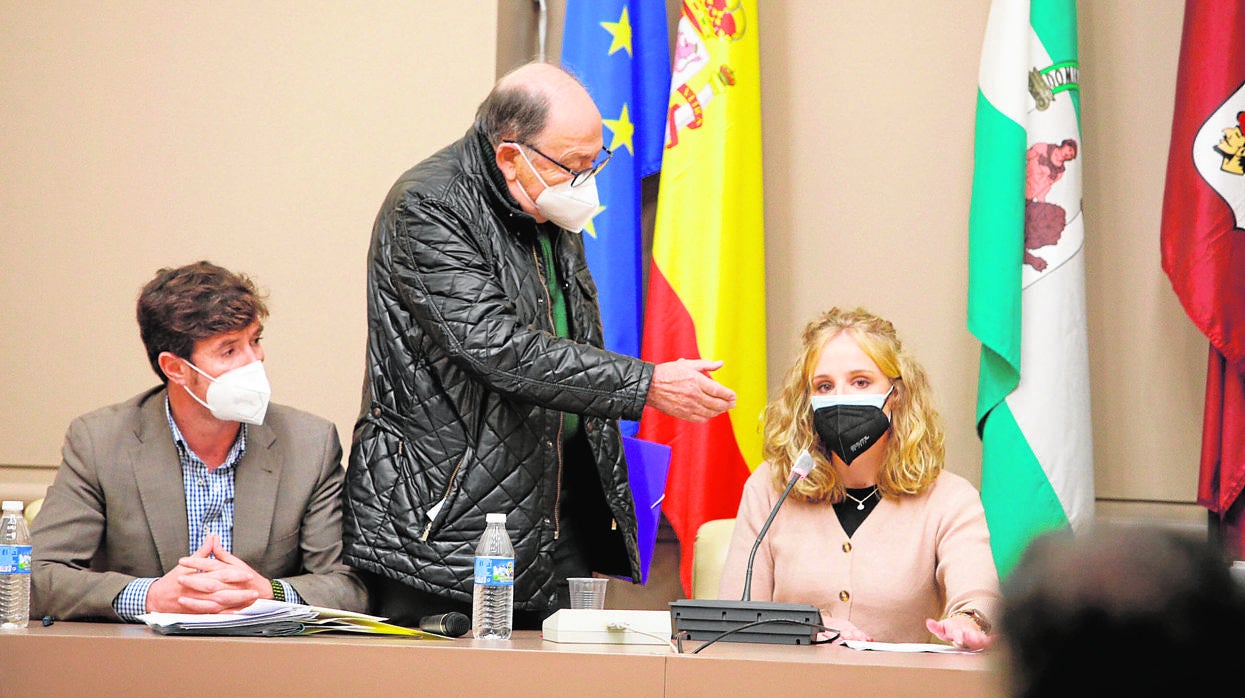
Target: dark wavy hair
[(184, 305)]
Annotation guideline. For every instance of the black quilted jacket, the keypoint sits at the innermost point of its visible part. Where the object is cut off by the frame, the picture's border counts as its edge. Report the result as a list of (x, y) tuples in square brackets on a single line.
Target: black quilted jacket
[(466, 387)]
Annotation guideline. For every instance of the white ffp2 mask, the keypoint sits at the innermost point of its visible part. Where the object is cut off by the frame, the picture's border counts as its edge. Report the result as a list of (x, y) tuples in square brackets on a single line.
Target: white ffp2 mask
[(570, 208), (240, 395)]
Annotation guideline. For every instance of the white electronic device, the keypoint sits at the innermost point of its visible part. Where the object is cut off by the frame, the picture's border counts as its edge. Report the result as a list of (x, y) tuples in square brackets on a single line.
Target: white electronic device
[(608, 627)]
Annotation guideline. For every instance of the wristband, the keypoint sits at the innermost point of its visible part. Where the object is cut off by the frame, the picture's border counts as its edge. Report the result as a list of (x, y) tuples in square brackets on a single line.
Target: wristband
[(974, 615), (278, 591)]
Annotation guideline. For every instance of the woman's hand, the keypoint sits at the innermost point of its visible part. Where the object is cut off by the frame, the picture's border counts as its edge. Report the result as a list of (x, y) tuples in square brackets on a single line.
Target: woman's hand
[(961, 631), (844, 628)]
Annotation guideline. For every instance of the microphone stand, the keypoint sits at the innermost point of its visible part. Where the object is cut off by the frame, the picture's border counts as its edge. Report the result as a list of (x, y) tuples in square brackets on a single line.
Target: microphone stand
[(796, 476)]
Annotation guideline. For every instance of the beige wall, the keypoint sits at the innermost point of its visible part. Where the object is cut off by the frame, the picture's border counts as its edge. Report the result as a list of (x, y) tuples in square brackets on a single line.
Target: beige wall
[(263, 136), (260, 135), (868, 118)]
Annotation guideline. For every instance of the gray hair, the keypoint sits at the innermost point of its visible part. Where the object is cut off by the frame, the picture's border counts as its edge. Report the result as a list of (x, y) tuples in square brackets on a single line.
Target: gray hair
[(516, 109), (514, 112)]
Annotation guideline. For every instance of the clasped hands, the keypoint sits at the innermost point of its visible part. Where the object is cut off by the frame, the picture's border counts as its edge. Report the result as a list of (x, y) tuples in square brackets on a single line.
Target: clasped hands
[(210, 580)]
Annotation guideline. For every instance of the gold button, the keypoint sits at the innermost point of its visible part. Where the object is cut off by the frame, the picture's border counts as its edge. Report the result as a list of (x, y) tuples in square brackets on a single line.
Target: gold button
[(844, 596), (847, 547)]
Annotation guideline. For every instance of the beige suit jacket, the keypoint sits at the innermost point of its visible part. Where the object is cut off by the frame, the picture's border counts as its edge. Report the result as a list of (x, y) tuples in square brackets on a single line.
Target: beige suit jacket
[(117, 510)]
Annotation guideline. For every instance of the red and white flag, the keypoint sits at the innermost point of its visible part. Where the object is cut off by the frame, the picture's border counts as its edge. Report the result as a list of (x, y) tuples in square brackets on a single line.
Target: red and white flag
[(1203, 238)]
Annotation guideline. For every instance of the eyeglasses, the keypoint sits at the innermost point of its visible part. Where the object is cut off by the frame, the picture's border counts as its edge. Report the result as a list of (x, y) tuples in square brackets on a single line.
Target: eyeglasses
[(578, 177)]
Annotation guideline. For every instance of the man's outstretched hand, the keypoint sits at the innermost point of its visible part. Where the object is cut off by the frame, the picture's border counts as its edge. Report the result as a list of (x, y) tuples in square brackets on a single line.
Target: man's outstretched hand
[(683, 389)]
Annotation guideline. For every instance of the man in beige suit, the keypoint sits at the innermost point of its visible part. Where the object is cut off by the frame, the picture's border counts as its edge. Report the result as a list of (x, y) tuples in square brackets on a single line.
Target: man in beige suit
[(196, 496)]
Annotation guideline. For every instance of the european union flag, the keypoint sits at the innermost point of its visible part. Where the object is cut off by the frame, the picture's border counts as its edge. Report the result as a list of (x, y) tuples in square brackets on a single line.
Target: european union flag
[(620, 50)]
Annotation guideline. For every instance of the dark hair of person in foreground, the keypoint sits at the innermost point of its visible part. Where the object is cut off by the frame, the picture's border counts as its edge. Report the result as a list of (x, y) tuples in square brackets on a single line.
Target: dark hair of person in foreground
[(1122, 611)]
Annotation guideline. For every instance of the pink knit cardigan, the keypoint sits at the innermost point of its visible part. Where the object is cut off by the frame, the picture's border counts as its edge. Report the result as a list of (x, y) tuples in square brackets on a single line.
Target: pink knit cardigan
[(914, 557)]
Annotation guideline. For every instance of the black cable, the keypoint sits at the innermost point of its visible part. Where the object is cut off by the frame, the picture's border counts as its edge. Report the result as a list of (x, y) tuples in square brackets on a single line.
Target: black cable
[(755, 623)]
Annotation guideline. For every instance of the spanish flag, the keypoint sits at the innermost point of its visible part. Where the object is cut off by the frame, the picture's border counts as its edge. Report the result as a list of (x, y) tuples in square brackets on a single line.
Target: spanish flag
[(706, 288)]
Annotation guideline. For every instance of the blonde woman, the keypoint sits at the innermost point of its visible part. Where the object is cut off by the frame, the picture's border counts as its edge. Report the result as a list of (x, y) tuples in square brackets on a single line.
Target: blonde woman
[(885, 542)]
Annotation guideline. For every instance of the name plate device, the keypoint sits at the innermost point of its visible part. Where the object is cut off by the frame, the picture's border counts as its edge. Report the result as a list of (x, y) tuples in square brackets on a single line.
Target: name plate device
[(746, 621), (607, 627)]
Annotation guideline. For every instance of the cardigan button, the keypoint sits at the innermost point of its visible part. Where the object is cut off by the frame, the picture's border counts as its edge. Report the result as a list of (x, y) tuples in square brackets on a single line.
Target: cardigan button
[(844, 596), (847, 547)]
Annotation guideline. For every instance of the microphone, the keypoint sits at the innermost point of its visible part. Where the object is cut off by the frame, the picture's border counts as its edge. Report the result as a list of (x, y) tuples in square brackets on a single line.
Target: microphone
[(747, 620), (452, 624), (799, 470)]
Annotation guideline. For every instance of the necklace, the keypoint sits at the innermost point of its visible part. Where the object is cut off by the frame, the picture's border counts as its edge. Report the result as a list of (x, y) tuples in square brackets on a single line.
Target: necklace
[(860, 503)]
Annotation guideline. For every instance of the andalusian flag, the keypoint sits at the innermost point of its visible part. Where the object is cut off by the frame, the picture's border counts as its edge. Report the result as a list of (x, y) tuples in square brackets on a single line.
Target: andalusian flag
[(620, 49), (1026, 286), (706, 294)]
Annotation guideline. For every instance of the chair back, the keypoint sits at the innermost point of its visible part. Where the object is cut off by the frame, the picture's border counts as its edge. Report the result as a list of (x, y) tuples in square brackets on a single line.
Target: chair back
[(31, 510), (713, 539)]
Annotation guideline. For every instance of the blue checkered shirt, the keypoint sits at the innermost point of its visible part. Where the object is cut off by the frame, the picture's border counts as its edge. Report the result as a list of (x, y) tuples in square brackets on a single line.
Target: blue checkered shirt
[(209, 509)]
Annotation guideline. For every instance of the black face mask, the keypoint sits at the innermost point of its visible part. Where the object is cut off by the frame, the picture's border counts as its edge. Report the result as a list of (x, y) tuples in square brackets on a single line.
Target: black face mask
[(849, 430)]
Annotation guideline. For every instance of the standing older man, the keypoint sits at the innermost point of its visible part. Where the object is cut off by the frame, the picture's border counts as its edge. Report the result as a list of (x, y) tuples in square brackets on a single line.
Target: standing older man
[(487, 386)]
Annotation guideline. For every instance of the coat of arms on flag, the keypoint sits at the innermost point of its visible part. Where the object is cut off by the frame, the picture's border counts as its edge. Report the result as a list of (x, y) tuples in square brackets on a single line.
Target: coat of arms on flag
[(1219, 153)]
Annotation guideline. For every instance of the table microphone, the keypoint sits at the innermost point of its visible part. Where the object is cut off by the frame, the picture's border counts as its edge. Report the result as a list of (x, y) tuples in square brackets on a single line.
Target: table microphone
[(777, 622), (452, 624), (799, 470)]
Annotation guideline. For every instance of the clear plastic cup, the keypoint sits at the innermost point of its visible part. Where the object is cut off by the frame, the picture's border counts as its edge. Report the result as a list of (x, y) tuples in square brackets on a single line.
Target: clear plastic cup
[(587, 592)]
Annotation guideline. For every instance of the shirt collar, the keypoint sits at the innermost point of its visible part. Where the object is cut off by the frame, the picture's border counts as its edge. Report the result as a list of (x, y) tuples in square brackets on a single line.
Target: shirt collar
[(235, 452)]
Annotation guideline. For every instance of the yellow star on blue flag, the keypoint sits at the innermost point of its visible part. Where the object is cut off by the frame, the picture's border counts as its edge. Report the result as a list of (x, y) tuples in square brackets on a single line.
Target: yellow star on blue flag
[(623, 130), (621, 31), (590, 227)]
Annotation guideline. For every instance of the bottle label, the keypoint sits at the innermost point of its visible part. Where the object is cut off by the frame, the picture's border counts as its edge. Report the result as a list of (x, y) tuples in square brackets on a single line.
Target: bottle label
[(14, 559), (495, 571)]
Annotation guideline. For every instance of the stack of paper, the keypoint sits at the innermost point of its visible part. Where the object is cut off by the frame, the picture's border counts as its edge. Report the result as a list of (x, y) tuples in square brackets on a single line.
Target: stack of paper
[(905, 647), (268, 618)]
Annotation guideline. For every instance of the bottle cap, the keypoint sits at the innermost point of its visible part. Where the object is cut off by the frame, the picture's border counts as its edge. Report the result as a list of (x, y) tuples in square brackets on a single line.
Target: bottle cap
[(495, 518), (14, 505)]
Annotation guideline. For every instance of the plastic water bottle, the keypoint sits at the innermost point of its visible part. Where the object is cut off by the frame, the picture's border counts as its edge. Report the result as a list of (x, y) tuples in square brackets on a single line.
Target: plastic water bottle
[(14, 568), (492, 613)]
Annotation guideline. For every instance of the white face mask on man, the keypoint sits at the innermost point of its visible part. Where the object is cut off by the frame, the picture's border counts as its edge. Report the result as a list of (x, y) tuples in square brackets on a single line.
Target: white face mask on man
[(568, 207), (239, 395)]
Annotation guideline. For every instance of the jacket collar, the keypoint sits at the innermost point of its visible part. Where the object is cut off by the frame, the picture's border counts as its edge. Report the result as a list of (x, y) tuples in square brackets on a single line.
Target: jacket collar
[(159, 481), (494, 181)]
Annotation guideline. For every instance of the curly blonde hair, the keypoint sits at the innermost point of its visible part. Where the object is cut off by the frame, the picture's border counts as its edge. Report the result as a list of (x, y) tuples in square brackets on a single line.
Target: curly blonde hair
[(915, 450)]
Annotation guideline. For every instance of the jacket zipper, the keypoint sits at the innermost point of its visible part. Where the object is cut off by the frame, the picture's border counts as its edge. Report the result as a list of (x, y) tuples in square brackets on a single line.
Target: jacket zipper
[(544, 285), (446, 495)]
